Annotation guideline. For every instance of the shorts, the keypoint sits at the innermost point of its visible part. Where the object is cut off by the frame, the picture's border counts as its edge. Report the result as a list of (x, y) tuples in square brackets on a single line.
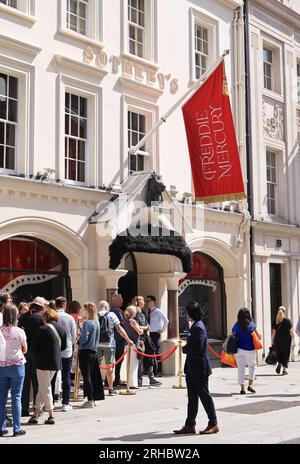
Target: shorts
[(108, 353)]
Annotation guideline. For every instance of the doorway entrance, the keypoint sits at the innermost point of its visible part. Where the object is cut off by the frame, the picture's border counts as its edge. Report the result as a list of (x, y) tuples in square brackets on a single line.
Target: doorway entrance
[(128, 284), (204, 284), (275, 290)]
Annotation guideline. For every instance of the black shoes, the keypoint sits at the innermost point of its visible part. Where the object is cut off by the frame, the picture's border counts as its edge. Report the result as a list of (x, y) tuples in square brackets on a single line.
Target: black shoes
[(19, 433), (3, 432), (278, 368), (251, 390)]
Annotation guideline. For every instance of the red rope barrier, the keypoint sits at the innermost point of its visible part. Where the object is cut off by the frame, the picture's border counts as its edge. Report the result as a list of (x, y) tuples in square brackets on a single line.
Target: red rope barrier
[(141, 353), (224, 361), (161, 360), (213, 351), (115, 363)]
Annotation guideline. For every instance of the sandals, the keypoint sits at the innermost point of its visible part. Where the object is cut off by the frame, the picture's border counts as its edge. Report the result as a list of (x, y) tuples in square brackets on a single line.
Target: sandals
[(50, 421), (33, 420)]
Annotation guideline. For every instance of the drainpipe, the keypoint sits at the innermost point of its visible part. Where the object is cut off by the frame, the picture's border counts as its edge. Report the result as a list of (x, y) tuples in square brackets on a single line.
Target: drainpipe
[(249, 148)]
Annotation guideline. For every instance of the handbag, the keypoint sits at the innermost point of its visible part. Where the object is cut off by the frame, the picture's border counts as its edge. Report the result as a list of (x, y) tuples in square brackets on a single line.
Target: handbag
[(231, 344), (140, 347), (271, 356), (256, 341), (228, 359)]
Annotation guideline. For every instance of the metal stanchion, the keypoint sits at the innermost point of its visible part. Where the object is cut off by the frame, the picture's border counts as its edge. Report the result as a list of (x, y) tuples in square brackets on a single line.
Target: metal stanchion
[(76, 379), (180, 386), (128, 391)]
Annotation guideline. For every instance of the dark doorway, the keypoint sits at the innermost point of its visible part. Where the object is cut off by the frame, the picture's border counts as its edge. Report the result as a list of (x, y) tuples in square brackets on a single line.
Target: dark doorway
[(205, 284), (30, 267), (275, 290), (128, 284)]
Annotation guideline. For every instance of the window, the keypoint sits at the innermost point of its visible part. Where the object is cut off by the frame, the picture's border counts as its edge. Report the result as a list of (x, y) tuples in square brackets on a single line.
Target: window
[(271, 181), (75, 137), (136, 27), (8, 121), (268, 60), (11, 3), (136, 131), (298, 81), (201, 50), (77, 16)]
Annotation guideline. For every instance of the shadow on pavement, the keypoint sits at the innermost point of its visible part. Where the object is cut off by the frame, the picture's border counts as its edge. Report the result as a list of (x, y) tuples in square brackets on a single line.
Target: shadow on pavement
[(140, 437), (278, 395)]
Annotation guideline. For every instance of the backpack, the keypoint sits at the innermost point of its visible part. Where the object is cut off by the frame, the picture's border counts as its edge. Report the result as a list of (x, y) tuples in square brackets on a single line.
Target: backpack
[(105, 331)]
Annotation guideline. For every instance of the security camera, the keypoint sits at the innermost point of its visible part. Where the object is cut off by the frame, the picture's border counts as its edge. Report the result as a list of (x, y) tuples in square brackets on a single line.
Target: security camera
[(238, 242)]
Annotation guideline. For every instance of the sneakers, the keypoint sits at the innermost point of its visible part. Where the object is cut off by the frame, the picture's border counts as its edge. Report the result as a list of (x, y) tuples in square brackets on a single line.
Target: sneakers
[(19, 433), (66, 407), (242, 392), (112, 392), (3, 432), (87, 404), (155, 382)]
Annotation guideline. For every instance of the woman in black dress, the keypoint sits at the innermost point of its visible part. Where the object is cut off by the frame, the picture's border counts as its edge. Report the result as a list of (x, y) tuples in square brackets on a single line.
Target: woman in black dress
[(282, 336)]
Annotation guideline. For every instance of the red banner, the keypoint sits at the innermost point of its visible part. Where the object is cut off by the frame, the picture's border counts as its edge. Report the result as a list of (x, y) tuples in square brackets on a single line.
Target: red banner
[(213, 149)]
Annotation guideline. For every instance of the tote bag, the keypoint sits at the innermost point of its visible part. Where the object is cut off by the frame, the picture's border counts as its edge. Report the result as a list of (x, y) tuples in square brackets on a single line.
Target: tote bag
[(256, 341)]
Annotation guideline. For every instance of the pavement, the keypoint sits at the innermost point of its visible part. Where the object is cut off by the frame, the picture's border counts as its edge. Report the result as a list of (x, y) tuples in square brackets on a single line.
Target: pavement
[(272, 415)]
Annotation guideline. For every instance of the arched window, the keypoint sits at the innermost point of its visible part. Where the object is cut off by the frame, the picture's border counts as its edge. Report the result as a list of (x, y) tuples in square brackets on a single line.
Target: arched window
[(26, 261)]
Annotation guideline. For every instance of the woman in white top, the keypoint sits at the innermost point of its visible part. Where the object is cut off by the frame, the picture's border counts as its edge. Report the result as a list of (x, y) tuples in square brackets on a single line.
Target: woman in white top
[(12, 369)]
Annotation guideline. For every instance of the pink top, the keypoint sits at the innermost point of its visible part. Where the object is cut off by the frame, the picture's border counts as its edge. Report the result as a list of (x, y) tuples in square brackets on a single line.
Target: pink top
[(15, 338)]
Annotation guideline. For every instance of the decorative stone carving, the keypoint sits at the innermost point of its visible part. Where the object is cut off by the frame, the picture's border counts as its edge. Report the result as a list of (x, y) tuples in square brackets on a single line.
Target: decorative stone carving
[(155, 189), (273, 121)]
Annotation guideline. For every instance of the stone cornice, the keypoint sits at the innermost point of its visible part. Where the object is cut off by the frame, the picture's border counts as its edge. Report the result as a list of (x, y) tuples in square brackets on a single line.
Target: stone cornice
[(15, 12), (50, 191), (14, 44), (276, 228), (212, 215), (77, 66), (129, 83), (279, 11)]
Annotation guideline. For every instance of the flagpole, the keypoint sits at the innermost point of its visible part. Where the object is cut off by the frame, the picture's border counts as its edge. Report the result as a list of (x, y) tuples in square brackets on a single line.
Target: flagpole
[(189, 92)]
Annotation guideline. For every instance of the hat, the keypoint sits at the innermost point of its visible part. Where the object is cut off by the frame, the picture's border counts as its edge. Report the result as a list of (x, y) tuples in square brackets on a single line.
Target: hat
[(39, 301)]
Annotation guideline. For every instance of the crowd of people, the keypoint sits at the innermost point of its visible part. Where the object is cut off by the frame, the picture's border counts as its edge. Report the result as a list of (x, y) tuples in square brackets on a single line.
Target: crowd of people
[(42, 343)]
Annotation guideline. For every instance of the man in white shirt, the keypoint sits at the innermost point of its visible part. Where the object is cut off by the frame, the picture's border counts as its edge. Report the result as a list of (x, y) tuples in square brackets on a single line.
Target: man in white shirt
[(107, 345), (67, 322), (158, 324)]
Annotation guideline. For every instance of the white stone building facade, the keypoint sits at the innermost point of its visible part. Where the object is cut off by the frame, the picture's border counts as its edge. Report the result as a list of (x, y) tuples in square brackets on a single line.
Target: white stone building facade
[(274, 37), (80, 82)]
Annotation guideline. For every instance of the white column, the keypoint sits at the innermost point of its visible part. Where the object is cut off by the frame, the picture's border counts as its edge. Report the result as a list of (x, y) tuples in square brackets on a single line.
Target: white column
[(232, 290), (258, 301), (294, 312)]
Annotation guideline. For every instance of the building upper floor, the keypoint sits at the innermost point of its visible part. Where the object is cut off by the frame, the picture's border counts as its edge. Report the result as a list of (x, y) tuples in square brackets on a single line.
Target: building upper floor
[(274, 56), (81, 81)]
